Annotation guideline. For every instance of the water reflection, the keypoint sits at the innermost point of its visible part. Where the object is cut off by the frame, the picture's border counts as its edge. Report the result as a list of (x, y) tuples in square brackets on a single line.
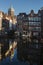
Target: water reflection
[(6, 45)]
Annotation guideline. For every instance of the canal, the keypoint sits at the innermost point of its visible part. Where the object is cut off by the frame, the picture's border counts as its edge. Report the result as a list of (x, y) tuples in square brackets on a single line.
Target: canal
[(8, 60)]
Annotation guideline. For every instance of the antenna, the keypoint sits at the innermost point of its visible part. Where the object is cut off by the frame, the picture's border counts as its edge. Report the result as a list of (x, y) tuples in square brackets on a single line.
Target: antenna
[(10, 4)]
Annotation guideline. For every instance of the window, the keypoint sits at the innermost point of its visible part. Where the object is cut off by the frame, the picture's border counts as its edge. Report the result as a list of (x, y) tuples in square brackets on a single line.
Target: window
[(10, 24), (39, 14), (35, 18), (39, 18), (34, 24), (29, 18), (35, 34), (36, 29), (37, 44)]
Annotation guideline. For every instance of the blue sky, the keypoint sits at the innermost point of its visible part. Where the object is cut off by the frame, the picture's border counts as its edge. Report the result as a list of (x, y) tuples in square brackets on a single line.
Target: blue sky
[(21, 5)]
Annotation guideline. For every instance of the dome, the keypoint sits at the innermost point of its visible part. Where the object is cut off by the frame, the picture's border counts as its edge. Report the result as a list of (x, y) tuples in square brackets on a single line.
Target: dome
[(11, 9)]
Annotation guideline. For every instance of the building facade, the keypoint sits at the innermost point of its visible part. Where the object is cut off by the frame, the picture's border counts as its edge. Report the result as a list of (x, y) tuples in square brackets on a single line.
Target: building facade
[(11, 12), (22, 23), (8, 21), (31, 50)]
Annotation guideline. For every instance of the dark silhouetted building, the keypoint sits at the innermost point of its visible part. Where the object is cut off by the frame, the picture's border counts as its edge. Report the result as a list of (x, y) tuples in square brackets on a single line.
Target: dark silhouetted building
[(30, 48)]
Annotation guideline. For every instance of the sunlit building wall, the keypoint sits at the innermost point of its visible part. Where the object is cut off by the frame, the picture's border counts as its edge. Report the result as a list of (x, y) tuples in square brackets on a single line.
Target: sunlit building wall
[(1, 16)]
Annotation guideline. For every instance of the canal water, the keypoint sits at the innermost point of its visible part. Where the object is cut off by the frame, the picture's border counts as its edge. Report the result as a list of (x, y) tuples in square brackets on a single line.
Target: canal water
[(14, 60)]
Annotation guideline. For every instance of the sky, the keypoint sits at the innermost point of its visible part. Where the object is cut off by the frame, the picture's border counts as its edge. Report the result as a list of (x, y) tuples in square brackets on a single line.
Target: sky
[(21, 5)]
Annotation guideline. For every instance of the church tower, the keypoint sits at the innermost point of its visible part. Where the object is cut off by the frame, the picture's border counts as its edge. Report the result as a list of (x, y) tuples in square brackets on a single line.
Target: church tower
[(11, 11)]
